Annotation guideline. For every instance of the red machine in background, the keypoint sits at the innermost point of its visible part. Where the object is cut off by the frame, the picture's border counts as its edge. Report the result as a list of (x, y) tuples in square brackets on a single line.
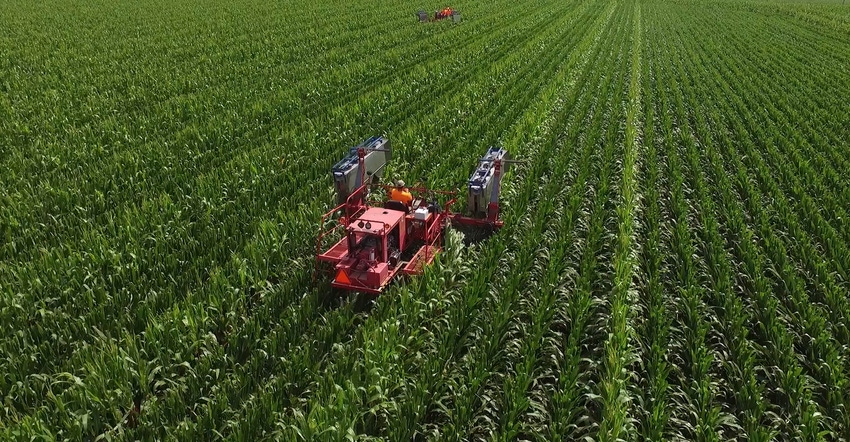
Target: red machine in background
[(441, 14), (379, 242)]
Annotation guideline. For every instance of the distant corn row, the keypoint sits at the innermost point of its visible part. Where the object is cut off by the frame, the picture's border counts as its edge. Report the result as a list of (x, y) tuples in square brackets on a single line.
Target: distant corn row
[(770, 320)]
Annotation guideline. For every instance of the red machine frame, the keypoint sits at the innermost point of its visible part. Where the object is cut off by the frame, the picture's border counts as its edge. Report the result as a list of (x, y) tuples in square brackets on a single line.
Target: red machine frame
[(418, 233), (443, 13)]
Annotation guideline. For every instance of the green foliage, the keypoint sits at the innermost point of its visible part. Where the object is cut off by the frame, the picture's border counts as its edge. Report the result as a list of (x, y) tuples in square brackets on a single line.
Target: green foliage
[(675, 261)]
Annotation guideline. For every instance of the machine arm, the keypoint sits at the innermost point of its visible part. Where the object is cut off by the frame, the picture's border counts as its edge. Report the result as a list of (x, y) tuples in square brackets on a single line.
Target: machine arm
[(365, 160), (484, 187)]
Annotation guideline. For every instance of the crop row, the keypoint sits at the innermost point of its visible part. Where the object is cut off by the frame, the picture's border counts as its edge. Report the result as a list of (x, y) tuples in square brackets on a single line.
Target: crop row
[(705, 123), (675, 261)]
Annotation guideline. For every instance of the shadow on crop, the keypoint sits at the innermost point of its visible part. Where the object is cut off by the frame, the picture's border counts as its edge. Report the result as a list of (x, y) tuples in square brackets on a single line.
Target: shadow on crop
[(331, 299)]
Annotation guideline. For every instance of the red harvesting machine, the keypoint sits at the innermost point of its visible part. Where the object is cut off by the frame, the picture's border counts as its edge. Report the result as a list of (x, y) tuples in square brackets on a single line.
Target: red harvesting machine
[(378, 242), (441, 14)]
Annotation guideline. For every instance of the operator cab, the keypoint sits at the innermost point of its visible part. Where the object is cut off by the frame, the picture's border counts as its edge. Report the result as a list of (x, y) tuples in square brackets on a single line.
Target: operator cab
[(400, 198)]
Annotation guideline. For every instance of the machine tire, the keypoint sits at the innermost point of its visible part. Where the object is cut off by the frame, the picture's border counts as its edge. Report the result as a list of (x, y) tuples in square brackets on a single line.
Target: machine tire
[(363, 302), (330, 299)]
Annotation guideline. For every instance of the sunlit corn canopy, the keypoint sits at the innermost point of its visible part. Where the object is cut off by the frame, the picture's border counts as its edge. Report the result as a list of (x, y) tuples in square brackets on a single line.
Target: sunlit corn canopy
[(674, 262)]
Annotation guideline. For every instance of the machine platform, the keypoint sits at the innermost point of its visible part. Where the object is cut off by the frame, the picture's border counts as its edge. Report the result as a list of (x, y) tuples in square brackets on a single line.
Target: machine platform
[(423, 257), (335, 253)]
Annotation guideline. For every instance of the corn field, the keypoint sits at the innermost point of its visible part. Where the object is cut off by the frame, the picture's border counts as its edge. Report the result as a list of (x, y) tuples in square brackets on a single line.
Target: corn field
[(675, 261)]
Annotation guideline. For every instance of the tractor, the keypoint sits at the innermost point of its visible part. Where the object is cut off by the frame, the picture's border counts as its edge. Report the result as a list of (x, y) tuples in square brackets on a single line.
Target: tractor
[(373, 243), (441, 14)]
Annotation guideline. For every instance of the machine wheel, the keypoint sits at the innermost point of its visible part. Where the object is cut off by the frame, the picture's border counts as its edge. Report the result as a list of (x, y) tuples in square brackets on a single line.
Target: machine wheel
[(363, 302)]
